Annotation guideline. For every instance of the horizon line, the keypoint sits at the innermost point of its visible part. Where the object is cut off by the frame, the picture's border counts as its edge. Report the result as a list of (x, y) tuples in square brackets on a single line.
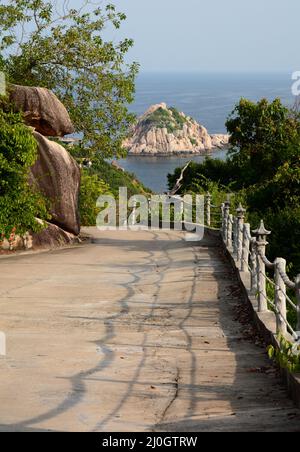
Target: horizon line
[(218, 72)]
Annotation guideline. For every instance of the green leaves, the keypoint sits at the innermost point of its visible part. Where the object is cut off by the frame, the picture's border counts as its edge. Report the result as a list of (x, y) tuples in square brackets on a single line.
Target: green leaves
[(20, 204), (91, 188), (261, 133), (263, 171), (170, 119), (287, 355)]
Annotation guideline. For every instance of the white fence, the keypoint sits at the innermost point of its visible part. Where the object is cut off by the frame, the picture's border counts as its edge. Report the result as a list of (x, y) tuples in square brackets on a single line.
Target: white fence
[(249, 251)]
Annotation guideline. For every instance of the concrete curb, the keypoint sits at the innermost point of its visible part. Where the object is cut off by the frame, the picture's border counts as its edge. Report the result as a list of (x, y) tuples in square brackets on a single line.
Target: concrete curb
[(266, 325)]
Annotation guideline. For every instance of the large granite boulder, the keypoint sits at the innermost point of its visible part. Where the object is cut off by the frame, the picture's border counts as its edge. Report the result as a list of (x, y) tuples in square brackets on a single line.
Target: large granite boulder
[(52, 237), (42, 110), (58, 177)]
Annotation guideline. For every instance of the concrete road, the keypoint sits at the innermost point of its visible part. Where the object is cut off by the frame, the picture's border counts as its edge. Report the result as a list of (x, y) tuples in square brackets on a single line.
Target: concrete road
[(134, 332)]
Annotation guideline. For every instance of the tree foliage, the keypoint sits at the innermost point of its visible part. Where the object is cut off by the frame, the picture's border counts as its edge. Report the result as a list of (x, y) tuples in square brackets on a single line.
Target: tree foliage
[(20, 204), (90, 189), (262, 138), (262, 170), (49, 44)]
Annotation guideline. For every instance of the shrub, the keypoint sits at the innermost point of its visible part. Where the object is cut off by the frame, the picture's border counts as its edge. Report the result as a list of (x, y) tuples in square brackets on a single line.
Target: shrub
[(116, 178), (263, 171), (91, 188), (102, 179)]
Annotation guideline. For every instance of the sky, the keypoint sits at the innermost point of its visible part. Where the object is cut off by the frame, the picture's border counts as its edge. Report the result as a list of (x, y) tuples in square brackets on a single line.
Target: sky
[(213, 35)]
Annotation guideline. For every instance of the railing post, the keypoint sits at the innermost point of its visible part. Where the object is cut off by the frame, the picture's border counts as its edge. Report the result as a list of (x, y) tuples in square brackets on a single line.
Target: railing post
[(235, 237), (229, 233), (297, 281), (261, 233), (253, 260), (240, 232), (182, 215), (133, 216), (149, 213), (208, 209), (280, 296), (226, 217), (246, 248), (222, 218)]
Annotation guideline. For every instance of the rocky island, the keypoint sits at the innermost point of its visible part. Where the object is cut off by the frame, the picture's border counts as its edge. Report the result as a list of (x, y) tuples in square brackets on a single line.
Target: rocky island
[(164, 131)]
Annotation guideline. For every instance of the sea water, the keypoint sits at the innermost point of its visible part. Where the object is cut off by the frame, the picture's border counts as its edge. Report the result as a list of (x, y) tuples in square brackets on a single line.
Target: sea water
[(209, 98)]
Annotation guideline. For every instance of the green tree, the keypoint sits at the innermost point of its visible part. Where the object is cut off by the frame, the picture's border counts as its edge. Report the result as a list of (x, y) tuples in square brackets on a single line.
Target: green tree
[(49, 44), (262, 170), (91, 188), (20, 204), (263, 137)]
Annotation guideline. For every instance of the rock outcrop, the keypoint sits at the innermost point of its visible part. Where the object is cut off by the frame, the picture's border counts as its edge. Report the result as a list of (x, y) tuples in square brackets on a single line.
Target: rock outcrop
[(51, 236), (42, 110), (163, 130), (55, 173), (58, 177)]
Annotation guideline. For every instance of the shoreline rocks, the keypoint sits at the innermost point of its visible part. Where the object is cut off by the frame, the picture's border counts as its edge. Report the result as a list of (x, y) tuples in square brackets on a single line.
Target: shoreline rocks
[(166, 131)]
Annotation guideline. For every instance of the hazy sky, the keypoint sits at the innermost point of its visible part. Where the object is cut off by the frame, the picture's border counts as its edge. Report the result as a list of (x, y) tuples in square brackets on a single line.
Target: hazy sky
[(213, 35)]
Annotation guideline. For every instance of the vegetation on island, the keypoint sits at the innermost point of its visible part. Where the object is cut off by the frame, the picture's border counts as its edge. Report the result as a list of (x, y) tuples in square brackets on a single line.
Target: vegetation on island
[(162, 118)]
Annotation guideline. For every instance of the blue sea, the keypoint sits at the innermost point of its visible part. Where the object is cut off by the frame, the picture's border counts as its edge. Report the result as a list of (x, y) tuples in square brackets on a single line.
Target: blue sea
[(209, 98)]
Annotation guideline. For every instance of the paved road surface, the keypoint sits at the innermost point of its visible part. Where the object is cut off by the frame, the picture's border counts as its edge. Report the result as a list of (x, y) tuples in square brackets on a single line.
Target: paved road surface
[(134, 332)]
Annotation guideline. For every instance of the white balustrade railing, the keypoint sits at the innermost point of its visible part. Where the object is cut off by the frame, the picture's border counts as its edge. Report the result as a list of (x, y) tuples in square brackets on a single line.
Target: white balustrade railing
[(249, 252)]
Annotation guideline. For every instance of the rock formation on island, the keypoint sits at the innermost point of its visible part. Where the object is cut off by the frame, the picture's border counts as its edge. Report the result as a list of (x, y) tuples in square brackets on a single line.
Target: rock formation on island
[(162, 130), (55, 173)]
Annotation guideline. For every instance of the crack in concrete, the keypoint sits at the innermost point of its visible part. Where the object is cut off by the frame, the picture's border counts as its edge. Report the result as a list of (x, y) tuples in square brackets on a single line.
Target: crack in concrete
[(172, 400)]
